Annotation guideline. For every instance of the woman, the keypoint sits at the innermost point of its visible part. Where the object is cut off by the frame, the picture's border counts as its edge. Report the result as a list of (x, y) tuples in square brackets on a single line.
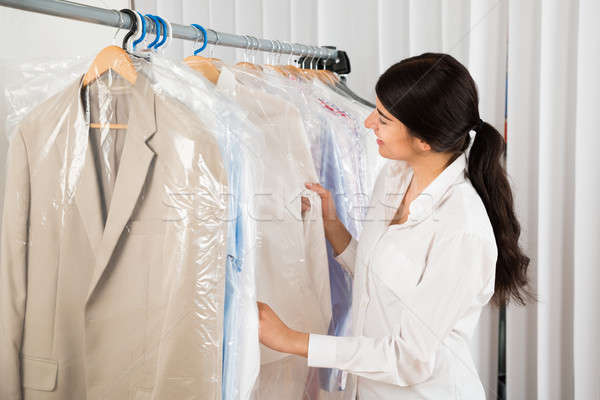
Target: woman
[(439, 241)]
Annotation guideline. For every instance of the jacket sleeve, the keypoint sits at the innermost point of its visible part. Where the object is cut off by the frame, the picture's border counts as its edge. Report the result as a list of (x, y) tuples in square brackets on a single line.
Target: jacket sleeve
[(459, 270), (13, 267)]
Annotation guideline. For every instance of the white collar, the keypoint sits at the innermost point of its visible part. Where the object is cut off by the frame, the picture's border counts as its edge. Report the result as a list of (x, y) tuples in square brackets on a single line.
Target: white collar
[(424, 204)]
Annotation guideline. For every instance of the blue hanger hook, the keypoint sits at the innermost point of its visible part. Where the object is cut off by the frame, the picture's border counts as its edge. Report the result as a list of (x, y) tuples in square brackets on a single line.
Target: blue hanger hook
[(204, 41), (158, 27), (164, 36), (136, 42)]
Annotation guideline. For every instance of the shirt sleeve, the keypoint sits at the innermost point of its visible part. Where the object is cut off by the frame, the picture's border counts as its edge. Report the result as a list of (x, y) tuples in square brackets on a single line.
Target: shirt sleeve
[(347, 258), (458, 271)]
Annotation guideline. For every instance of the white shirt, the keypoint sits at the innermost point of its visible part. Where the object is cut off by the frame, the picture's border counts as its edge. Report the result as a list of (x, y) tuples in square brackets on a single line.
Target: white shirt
[(418, 291)]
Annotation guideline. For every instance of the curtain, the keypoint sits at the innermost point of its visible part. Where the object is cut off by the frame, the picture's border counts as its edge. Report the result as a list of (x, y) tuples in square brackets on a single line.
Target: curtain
[(553, 93)]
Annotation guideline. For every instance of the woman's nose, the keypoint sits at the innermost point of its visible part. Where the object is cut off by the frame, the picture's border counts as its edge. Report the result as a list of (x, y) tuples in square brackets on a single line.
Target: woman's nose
[(370, 121)]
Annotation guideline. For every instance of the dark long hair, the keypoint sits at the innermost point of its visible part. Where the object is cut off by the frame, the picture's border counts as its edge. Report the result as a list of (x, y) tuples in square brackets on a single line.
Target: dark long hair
[(436, 98)]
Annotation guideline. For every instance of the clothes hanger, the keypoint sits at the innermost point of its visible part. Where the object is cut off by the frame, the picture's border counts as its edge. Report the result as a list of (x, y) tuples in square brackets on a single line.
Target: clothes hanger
[(246, 63), (327, 77), (310, 70), (203, 64), (167, 32), (116, 59), (306, 65), (210, 57), (141, 38), (313, 72), (304, 72), (289, 68), (158, 26), (272, 64)]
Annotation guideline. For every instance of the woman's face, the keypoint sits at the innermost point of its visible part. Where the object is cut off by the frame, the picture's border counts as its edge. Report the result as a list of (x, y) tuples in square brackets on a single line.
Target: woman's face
[(393, 138)]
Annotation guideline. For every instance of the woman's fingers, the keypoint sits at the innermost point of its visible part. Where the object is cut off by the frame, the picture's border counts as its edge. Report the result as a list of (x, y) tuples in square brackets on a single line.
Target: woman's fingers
[(327, 203), (317, 188), (272, 332), (262, 306), (305, 204)]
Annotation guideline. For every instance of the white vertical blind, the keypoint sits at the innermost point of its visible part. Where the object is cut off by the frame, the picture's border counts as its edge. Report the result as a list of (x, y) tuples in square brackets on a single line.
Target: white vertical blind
[(554, 59)]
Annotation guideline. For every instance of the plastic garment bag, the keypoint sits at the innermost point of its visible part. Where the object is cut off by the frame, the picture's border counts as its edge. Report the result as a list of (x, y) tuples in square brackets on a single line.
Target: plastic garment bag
[(334, 127), (114, 240), (344, 171), (292, 272), (243, 149)]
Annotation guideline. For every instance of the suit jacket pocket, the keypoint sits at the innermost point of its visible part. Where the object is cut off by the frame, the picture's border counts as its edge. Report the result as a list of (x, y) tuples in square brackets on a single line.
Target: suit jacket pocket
[(39, 373)]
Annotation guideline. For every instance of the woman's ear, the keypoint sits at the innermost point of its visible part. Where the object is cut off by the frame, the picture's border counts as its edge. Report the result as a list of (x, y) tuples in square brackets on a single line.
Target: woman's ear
[(423, 145)]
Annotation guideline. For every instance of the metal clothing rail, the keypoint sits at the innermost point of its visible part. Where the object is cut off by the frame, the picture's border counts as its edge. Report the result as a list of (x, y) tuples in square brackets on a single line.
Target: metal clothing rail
[(117, 19)]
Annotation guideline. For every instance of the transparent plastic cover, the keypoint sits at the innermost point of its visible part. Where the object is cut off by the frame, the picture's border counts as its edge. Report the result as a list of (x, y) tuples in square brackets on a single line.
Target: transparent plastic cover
[(148, 209)]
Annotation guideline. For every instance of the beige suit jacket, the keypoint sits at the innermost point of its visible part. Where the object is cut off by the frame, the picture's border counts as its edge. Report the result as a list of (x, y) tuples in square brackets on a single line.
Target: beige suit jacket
[(130, 310)]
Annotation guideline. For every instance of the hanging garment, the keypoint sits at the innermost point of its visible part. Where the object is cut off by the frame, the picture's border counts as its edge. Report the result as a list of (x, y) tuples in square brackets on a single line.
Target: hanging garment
[(342, 170), (337, 148), (291, 260), (358, 113), (242, 148), (124, 303)]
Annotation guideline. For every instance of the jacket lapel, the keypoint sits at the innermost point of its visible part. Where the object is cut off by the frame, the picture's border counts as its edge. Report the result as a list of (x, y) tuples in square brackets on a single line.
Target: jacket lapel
[(135, 162)]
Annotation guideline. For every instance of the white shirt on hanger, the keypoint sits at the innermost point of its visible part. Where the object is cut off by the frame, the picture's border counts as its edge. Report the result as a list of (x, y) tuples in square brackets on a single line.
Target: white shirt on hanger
[(419, 288)]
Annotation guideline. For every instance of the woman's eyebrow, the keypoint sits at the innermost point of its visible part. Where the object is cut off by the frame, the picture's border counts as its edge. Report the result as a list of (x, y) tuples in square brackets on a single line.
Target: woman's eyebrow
[(380, 113)]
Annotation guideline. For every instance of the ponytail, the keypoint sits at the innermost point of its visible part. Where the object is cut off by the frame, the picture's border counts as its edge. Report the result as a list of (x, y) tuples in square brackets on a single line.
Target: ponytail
[(488, 176)]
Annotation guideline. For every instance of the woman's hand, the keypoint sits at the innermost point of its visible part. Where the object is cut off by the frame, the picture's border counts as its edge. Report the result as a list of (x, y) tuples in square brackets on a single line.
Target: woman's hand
[(274, 334), (327, 202), (335, 231)]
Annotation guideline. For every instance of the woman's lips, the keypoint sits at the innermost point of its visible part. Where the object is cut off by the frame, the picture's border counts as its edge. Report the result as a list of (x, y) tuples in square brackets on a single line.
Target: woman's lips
[(379, 141)]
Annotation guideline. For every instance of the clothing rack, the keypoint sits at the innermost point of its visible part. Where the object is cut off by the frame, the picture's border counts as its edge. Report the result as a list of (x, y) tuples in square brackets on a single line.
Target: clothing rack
[(329, 58)]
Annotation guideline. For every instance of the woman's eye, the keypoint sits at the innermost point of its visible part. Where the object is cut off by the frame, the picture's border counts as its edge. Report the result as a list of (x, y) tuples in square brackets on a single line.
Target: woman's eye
[(381, 121)]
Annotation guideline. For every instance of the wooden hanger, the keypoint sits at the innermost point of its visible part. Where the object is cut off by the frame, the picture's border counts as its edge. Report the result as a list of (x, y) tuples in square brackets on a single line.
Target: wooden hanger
[(205, 66), (245, 64), (111, 58), (114, 58), (334, 78), (202, 64), (292, 70), (277, 69), (310, 73), (109, 126), (327, 77)]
